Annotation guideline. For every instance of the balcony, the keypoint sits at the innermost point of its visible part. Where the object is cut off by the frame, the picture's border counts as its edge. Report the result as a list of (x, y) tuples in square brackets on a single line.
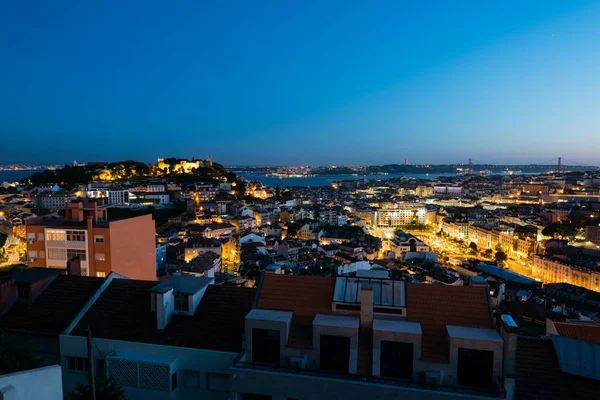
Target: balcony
[(497, 391)]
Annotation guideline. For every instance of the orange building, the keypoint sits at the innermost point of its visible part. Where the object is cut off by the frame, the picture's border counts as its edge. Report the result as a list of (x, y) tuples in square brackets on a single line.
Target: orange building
[(124, 246)]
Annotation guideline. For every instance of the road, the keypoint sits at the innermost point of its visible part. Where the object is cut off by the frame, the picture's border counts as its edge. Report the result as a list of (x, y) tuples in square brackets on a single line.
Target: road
[(456, 251)]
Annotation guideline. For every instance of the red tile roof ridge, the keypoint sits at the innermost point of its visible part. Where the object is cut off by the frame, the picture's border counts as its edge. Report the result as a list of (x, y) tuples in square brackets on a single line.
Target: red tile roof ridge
[(588, 332)]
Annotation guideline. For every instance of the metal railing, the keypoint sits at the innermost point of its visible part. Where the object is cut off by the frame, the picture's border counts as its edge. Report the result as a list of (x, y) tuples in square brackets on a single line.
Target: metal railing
[(497, 391)]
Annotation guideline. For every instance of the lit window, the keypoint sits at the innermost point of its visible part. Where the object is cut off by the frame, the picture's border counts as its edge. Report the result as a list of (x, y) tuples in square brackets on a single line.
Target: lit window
[(100, 257), (101, 274)]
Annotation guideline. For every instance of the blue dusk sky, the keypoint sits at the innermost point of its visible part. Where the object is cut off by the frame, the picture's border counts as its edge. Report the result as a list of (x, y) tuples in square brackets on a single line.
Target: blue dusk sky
[(300, 82)]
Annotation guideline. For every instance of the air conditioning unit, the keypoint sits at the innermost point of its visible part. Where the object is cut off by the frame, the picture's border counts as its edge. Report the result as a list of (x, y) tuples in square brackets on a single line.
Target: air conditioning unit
[(297, 362), (433, 377)]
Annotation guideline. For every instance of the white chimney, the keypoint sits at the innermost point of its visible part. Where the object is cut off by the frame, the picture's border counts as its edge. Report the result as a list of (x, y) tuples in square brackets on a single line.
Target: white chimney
[(508, 331), (366, 305), (165, 305)]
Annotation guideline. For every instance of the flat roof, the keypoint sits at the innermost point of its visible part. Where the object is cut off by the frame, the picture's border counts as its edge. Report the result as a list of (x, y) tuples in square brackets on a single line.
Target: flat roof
[(397, 326), (342, 321), (270, 315), (183, 284), (463, 332)]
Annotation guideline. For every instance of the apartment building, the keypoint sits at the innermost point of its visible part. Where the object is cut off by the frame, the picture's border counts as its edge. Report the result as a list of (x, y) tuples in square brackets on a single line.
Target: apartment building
[(53, 200), (309, 337), (329, 217), (125, 246), (592, 234), (404, 214), (555, 270), (111, 196)]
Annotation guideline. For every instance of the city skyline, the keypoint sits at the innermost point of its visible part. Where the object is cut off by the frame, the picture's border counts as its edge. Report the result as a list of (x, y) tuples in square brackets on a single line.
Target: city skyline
[(275, 84)]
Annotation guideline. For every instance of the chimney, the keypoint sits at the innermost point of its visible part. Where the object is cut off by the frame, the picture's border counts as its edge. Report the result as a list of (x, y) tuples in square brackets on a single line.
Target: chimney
[(165, 305), (477, 281), (508, 331), (366, 305), (74, 266)]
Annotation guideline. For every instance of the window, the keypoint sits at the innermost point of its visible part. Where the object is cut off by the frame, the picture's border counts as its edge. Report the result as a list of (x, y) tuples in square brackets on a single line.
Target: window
[(55, 235), (79, 364), (335, 353), (191, 378), (217, 382), (76, 236), (99, 239), (265, 346), (396, 359), (181, 302), (40, 236), (41, 254), (100, 257), (101, 274), (57, 254), (71, 253), (32, 254), (475, 367), (174, 381)]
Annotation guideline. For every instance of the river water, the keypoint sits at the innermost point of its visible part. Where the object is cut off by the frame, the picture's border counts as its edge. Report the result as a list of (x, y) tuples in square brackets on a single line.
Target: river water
[(14, 176), (325, 180)]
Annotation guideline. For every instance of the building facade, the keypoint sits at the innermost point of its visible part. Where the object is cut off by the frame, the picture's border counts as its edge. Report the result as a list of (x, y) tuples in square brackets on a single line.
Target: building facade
[(125, 246)]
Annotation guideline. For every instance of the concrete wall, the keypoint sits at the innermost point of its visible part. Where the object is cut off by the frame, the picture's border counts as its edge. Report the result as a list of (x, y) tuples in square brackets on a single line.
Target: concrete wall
[(204, 361), (133, 251), (283, 386), (36, 384)]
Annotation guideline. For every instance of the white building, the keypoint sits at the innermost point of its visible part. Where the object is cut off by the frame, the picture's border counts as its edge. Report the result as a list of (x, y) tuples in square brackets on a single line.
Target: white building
[(35, 384)]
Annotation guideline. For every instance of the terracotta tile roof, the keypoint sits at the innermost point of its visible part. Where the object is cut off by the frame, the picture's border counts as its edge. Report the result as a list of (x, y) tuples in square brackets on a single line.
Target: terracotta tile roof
[(587, 332), (306, 296), (55, 308), (538, 375), (122, 312), (435, 306)]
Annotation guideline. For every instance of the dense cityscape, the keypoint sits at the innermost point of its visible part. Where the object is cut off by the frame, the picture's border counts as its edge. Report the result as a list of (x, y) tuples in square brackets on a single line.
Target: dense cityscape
[(531, 240), (278, 200)]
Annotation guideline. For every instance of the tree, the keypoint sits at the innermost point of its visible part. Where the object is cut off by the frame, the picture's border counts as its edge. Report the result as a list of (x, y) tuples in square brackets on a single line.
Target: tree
[(550, 230), (292, 229), (106, 389), (488, 253), (500, 257), (473, 247)]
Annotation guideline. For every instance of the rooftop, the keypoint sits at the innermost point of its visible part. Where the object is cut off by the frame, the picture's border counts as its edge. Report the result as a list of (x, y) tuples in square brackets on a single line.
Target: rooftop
[(183, 284), (436, 306), (54, 309), (579, 331), (34, 274), (123, 312), (306, 296), (538, 375)]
